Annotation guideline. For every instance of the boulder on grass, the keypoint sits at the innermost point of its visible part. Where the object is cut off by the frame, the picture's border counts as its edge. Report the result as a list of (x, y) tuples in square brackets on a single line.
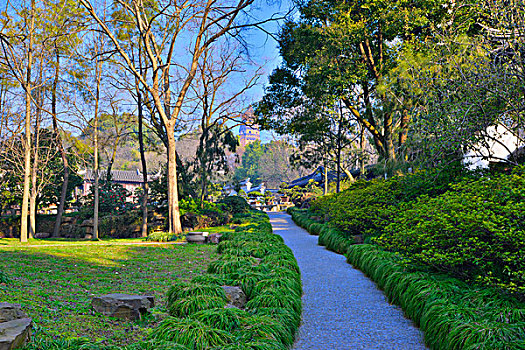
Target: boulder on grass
[(15, 326), (214, 238), (123, 306), (235, 296), (10, 312), (195, 237), (14, 334)]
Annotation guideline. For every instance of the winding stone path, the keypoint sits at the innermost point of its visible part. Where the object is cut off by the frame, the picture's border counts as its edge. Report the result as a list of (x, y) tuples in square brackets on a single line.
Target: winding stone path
[(342, 309)]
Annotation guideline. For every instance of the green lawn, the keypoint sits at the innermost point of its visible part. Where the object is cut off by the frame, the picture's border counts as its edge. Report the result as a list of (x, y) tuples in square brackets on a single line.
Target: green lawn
[(4, 242), (55, 284)]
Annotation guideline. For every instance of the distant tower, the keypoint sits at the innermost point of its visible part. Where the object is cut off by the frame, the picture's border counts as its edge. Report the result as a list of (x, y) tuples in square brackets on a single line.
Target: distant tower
[(249, 131)]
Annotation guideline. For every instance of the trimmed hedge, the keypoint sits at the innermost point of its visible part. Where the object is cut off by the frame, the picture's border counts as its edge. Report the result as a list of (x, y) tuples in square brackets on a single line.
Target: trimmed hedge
[(452, 314), (259, 262)]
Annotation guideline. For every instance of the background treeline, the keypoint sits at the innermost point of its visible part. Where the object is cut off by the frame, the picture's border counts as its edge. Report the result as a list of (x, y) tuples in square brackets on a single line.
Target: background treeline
[(105, 85), (404, 84)]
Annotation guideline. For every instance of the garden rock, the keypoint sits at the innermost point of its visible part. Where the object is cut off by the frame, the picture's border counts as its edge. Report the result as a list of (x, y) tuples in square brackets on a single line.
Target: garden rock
[(214, 238), (195, 237), (123, 306), (10, 312), (235, 296), (42, 235), (14, 334)]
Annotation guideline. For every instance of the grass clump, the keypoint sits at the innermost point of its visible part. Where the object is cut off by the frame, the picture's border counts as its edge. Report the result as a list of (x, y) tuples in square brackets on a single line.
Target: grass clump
[(451, 313), (191, 333), (258, 262), (161, 236)]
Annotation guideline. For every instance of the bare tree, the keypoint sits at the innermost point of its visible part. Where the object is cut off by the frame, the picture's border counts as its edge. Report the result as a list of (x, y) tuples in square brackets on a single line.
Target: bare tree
[(174, 36), (17, 51)]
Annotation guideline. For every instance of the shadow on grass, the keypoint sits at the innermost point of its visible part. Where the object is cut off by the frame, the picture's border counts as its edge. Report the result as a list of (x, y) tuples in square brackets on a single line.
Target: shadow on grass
[(55, 284)]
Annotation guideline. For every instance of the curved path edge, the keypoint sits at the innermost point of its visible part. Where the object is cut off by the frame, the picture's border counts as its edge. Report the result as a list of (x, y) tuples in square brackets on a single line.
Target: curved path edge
[(342, 308)]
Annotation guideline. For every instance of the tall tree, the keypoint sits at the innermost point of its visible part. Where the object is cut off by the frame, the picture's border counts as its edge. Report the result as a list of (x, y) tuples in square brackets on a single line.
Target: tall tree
[(18, 59), (174, 36), (345, 50)]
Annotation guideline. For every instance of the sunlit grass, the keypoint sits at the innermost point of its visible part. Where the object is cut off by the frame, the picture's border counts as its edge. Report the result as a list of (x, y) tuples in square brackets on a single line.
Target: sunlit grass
[(55, 284), (15, 242)]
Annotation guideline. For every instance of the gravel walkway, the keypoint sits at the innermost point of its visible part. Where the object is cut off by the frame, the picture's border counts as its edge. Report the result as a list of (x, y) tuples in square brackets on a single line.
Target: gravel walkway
[(342, 309)]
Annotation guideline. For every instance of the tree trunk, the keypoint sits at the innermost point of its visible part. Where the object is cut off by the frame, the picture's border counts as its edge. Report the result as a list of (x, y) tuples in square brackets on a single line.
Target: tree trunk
[(325, 189), (339, 147), (362, 155), (27, 139), (58, 138), (405, 119), (174, 225), (389, 137), (34, 185), (144, 204), (95, 142)]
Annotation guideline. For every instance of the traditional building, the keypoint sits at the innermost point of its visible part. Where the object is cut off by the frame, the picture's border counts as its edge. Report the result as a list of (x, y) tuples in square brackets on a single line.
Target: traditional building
[(129, 179), (248, 131)]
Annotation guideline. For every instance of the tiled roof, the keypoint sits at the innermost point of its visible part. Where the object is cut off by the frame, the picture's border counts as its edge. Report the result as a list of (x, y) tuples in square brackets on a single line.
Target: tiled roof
[(116, 175)]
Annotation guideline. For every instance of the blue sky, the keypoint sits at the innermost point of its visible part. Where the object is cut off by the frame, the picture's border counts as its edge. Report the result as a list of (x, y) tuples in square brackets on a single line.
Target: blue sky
[(264, 49)]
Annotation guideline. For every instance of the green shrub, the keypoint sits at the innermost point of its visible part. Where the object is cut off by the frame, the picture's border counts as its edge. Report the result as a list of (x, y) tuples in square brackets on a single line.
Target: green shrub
[(236, 205), (475, 231), (367, 206)]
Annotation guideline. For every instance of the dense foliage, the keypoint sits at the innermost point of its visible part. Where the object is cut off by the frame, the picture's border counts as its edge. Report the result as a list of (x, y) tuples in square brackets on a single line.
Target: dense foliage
[(236, 204), (368, 206), (471, 228), (475, 231)]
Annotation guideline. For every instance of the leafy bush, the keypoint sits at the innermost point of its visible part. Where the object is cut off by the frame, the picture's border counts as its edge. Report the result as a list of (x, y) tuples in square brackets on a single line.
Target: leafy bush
[(367, 206), (475, 231), (236, 205), (198, 215)]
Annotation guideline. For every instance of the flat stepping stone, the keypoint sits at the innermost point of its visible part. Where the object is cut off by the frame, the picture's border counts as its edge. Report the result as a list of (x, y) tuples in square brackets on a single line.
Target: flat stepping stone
[(123, 306), (15, 334), (9, 312), (15, 326), (342, 308)]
